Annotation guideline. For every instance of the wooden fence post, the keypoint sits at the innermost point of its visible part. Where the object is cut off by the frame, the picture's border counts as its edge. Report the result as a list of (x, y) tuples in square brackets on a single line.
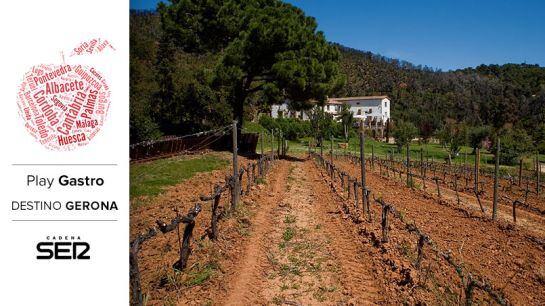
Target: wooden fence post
[(538, 174), (248, 178), (422, 167), (408, 167), (236, 190), (477, 165), (372, 157), (424, 178), (261, 138), (272, 143), (356, 200), (362, 168), (436, 179), (520, 172), (349, 187), (456, 188), (331, 152), (367, 193), (321, 147), (496, 179), (515, 211)]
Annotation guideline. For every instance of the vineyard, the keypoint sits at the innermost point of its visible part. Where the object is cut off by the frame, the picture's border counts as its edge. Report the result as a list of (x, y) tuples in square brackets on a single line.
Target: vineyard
[(341, 228)]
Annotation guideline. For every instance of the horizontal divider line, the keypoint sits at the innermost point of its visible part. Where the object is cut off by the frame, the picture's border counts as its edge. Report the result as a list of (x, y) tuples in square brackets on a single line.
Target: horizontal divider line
[(61, 220), (64, 164)]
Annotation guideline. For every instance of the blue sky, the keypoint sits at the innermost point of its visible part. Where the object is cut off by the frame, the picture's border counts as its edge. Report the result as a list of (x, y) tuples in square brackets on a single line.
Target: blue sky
[(445, 34)]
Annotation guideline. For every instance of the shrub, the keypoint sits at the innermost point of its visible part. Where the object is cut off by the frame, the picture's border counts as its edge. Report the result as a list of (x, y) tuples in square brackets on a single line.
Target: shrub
[(291, 128), (515, 143), (403, 133)]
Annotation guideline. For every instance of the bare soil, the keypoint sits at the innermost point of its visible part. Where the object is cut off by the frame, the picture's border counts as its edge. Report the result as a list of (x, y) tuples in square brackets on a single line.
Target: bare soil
[(298, 239), (498, 251)]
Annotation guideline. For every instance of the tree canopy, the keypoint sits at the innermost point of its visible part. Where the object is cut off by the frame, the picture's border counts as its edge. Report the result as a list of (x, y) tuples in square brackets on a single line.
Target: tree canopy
[(267, 48)]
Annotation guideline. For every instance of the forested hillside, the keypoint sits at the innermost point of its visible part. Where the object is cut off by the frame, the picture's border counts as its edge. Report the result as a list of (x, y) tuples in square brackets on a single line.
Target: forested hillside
[(511, 95), (490, 95)]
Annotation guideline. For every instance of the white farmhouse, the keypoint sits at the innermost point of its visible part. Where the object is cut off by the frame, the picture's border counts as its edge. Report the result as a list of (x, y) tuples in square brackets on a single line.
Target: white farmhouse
[(374, 109)]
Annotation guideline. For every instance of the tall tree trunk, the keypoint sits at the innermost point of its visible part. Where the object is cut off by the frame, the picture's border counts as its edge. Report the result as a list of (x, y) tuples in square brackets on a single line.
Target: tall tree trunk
[(239, 98)]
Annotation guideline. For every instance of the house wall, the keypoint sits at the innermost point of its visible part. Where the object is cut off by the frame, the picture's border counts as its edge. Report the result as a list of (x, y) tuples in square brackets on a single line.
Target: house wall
[(376, 109), (277, 108), (333, 108)]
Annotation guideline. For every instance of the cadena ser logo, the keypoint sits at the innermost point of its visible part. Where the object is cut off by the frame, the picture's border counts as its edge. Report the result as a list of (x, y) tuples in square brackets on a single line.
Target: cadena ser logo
[(61, 247)]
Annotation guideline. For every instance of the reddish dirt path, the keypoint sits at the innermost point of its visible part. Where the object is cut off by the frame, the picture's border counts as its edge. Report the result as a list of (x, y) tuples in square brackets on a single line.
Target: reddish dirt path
[(503, 255), (245, 284), (299, 253)]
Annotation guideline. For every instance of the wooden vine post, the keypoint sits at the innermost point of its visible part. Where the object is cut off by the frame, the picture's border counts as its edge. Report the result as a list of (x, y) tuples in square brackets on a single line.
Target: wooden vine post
[(515, 211), (322, 148), (236, 191), (272, 143), (538, 174), (356, 200), (261, 138), (372, 157), (477, 164), (280, 140), (408, 167), (436, 179), (331, 153), (496, 179), (520, 172), (363, 178), (422, 167)]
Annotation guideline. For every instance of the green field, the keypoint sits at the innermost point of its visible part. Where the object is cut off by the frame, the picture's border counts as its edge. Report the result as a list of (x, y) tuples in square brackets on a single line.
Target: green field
[(431, 151), (151, 178)]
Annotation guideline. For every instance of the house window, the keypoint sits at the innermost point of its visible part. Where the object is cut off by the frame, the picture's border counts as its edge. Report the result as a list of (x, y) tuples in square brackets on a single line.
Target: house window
[(385, 104), (359, 111), (370, 110)]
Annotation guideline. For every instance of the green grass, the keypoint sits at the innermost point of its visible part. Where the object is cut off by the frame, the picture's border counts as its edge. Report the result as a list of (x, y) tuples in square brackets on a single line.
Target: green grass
[(290, 219), (253, 127), (200, 276), (151, 178), (431, 151), (288, 234)]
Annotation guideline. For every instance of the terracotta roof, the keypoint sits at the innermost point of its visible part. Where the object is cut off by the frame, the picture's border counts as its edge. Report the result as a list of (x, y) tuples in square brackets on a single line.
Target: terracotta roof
[(330, 100)]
